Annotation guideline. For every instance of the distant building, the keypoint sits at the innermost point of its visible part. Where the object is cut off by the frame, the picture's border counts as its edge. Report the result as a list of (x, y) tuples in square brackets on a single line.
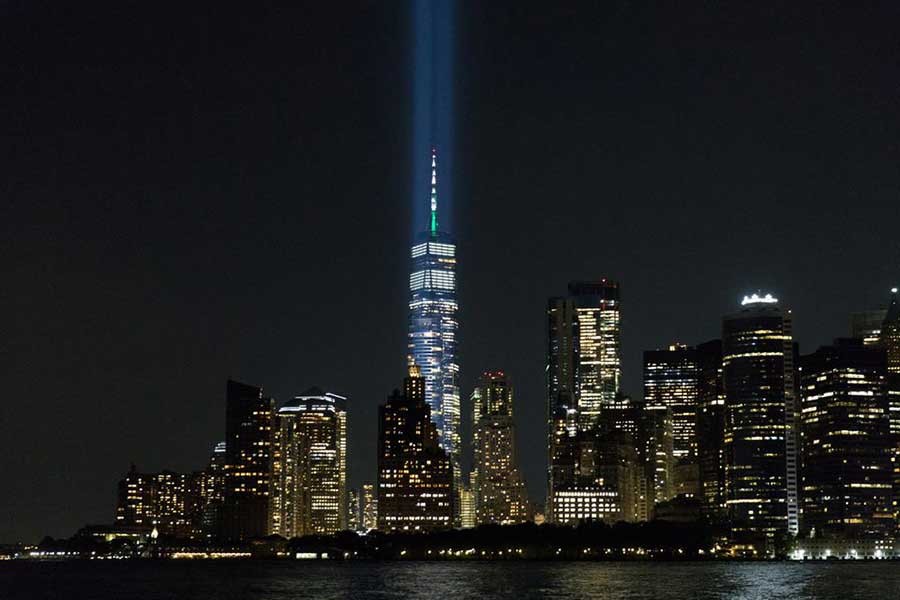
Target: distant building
[(310, 466), (711, 431), (354, 510), (890, 333), (760, 410), (249, 433), (168, 501), (467, 508), (497, 484), (672, 379), (655, 450), (212, 491), (846, 441), (583, 371), (415, 475), (369, 507), (866, 326)]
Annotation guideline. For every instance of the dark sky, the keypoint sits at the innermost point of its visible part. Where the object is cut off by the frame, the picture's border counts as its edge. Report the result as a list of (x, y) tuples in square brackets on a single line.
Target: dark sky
[(191, 192)]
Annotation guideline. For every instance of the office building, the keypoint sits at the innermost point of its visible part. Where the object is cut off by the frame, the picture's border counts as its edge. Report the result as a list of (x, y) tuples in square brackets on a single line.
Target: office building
[(310, 466), (711, 431), (760, 409), (369, 507), (847, 482), (672, 379), (497, 484), (249, 436), (166, 501), (890, 333), (433, 325), (415, 476), (583, 373)]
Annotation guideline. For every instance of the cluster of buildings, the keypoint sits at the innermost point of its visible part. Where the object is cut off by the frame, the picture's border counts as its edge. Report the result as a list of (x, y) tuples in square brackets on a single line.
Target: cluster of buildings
[(742, 432)]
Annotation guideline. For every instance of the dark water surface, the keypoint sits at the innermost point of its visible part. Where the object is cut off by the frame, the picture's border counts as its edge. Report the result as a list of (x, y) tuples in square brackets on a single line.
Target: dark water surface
[(223, 580)]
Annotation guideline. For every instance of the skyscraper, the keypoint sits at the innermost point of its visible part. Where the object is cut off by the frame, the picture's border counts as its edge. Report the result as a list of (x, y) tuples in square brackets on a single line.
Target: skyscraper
[(433, 325), (213, 491), (711, 430), (249, 431), (310, 496), (415, 477), (760, 433), (583, 372), (890, 334), (496, 480), (369, 507), (866, 325), (672, 379), (846, 442)]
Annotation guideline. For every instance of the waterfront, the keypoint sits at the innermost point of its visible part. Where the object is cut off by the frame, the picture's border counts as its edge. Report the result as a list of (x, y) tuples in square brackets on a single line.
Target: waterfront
[(292, 580)]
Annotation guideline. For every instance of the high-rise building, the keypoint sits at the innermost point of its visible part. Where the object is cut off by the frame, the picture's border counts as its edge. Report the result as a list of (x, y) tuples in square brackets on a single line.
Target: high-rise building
[(846, 442), (369, 507), (310, 468), (890, 333), (212, 492), (711, 430), (433, 325), (499, 490), (354, 510), (583, 356), (467, 507), (167, 501), (415, 476), (760, 410), (583, 374), (655, 449), (249, 433), (866, 325), (672, 379)]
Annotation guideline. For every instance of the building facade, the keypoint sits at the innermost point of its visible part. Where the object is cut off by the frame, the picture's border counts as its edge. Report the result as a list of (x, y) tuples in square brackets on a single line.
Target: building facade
[(433, 325), (310, 465), (249, 436), (672, 379), (497, 483), (847, 482), (711, 431), (369, 507), (415, 475), (167, 501), (760, 410), (583, 373)]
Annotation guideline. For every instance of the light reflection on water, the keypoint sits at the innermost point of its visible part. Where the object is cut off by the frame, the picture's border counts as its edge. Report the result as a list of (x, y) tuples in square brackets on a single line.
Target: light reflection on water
[(445, 581)]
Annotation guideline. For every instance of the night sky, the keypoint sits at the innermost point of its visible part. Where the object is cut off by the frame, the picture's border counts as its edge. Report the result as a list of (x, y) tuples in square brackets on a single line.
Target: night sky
[(193, 192)]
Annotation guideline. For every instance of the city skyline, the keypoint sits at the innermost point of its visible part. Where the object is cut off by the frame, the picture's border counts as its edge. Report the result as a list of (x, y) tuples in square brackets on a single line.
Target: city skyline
[(162, 240)]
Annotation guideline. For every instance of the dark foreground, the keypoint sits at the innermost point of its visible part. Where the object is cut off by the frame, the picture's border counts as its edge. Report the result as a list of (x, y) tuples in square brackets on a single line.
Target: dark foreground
[(290, 580)]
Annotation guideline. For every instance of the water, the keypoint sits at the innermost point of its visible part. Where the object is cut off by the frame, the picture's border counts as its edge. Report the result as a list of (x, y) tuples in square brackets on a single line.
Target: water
[(284, 580)]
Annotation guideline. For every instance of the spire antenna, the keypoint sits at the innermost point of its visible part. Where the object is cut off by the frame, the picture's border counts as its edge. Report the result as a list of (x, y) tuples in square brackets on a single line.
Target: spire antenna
[(433, 223)]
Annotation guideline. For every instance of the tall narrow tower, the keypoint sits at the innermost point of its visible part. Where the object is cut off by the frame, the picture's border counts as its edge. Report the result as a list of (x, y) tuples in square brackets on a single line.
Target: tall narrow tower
[(433, 324)]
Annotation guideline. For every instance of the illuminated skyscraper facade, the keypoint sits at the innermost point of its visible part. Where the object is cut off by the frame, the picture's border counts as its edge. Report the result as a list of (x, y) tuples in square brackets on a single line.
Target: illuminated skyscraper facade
[(671, 379), (499, 490), (167, 501), (583, 374), (711, 430), (249, 433), (310, 465), (433, 325), (846, 442), (415, 477), (369, 507), (890, 334), (760, 410)]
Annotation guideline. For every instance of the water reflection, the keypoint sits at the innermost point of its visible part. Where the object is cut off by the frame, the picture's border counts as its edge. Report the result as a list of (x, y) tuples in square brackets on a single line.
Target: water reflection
[(449, 581)]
